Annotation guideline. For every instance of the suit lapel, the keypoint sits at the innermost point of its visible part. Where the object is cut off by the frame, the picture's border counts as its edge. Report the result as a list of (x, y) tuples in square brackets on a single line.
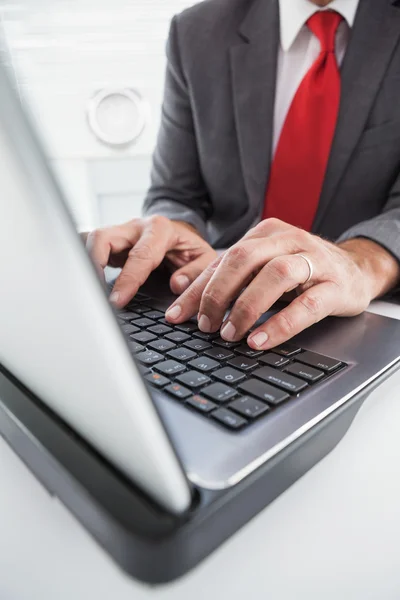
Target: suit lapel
[(374, 38), (253, 66)]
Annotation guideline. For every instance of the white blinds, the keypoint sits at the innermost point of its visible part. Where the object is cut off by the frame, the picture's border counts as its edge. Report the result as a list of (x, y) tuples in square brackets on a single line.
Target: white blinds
[(63, 51), (65, 42)]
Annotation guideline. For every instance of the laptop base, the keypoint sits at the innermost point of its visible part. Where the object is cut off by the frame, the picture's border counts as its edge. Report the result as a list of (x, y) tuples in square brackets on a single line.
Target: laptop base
[(147, 543)]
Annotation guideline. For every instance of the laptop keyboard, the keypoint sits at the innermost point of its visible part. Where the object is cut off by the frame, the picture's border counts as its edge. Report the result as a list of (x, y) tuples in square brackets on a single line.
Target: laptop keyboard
[(227, 382)]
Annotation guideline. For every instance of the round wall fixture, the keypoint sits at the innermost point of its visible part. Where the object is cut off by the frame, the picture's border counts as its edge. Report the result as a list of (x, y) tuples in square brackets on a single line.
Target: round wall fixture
[(117, 116)]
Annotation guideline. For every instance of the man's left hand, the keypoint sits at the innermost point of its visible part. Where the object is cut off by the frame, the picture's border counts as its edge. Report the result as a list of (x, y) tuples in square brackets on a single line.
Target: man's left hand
[(270, 261)]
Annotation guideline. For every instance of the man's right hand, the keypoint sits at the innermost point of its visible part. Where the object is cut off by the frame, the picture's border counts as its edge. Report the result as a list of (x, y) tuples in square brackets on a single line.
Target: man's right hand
[(140, 246)]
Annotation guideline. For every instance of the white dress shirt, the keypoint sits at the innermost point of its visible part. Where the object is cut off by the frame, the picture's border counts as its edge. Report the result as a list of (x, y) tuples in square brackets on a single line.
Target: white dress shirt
[(299, 49)]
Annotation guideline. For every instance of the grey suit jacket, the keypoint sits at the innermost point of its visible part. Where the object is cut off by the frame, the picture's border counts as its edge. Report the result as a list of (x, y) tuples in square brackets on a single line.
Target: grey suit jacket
[(213, 155)]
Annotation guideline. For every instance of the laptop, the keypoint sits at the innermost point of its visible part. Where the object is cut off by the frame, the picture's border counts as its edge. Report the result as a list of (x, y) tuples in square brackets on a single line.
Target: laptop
[(176, 418)]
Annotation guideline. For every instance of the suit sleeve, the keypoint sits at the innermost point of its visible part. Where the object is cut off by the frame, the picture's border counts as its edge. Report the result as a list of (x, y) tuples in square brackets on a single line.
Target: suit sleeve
[(383, 229), (177, 189)]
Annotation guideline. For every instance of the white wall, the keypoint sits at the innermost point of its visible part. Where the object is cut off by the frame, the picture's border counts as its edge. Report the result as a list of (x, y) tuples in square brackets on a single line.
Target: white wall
[(62, 52)]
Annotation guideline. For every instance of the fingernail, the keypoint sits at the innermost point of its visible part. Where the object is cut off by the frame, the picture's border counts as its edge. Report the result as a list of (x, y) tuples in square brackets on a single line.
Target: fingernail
[(204, 324), (114, 298), (174, 312), (183, 282), (259, 339), (228, 332)]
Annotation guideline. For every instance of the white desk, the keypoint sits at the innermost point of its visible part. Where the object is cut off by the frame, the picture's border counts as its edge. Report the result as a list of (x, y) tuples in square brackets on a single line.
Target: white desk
[(334, 535)]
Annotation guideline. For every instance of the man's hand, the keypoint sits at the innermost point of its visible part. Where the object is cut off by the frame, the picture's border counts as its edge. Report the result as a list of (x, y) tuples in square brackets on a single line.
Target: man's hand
[(141, 245), (265, 264)]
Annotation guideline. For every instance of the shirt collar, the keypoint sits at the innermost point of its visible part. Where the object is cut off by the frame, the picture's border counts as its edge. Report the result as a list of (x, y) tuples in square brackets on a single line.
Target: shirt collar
[(295, 13)]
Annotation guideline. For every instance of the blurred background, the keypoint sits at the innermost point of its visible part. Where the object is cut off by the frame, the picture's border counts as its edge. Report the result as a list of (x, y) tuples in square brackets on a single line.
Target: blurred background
[(92, 74)]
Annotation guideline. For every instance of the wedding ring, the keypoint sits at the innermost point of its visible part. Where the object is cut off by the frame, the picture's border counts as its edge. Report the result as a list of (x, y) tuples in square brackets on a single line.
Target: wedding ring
[(310, 267)]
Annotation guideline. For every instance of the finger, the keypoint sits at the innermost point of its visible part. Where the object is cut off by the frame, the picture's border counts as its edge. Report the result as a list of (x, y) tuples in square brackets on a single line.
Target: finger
[(99, 247), (188, 303), (100, 244), (185, 276), (239, 263), (310, 307), (280, 275), (267, 228), (146, 255)]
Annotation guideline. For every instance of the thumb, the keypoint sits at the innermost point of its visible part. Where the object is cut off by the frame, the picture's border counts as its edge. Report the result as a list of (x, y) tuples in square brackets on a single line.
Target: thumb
[(185, 276)]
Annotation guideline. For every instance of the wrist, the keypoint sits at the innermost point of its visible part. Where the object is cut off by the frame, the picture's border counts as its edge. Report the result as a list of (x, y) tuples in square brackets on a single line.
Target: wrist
[(187, 226), (380, 269)]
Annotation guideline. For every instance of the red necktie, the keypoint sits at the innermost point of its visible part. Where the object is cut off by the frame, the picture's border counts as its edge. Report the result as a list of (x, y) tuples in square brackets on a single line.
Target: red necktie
[(301, 158)]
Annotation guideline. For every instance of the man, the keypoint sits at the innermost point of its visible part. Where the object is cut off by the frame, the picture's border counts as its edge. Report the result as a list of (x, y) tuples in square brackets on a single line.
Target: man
[(280, 124)]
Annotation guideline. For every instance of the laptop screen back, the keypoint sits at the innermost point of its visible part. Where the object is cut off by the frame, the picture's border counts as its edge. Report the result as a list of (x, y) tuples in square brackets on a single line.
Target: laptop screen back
[(58, 334)]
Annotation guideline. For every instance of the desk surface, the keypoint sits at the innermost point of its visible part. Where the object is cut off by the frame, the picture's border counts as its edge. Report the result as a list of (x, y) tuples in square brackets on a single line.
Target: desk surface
[(333, 535)]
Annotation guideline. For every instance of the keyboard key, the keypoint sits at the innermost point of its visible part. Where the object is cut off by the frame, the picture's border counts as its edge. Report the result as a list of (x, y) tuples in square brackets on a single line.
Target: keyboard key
[(182, 354), (188, 327), (197, 345), (154, 314), (204, 364), (178, 391), (220, 342), (287, 350), (140, 297), (273, 360), (178, 337), (262, 390), (161, 345), (164, 321), (247, 351), (149, 357), (229, 418), (128, 316), (201, 404), (249, 407), (206, 336), (243, 363), (144, 369), (160, 329), (129, 328), (193, 379), (143, 322), (319, 362), (282, 380), (305, 372), (157, 305), (158, 380), (229, 375), (138, 308), (219, 392), (219, 353), (135, 347), (143, 337), (169, 367)]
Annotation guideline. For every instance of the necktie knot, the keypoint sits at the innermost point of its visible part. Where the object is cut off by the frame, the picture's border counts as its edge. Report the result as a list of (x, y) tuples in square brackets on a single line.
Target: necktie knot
[(324, 25)]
